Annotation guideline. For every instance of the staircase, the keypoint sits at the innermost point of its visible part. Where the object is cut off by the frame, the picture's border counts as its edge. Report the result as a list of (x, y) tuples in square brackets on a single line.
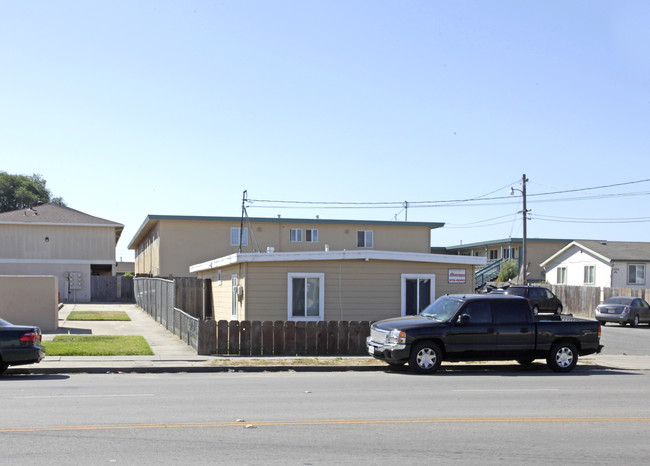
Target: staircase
[(488, 273)]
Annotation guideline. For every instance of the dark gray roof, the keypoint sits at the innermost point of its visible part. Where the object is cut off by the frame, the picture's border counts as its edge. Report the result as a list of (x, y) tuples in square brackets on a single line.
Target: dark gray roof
[(52, 213), (618, 250)]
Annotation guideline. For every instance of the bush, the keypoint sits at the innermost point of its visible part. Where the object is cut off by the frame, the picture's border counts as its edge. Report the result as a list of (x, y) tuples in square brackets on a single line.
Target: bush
[(508, 271)]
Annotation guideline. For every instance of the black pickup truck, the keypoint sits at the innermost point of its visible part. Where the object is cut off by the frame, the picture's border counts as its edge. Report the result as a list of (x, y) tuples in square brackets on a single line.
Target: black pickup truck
[(482, 328)]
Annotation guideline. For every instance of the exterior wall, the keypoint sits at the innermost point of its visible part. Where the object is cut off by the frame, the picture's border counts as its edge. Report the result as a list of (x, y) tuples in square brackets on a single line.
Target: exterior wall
[(620, 275), (171, 246), (43, 242), (58, 269), (354, 290), (30, 300), (575, 260)]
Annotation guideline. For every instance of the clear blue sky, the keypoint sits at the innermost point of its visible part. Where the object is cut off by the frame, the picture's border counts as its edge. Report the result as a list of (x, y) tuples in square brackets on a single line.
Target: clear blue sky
[(130, 108)]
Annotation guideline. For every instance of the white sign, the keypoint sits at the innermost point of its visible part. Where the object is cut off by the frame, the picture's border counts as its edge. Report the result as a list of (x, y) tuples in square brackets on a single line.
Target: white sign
[(457, 276)]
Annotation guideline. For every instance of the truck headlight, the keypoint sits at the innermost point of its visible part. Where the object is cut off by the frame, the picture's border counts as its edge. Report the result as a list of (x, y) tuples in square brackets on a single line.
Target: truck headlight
[(396, 337)]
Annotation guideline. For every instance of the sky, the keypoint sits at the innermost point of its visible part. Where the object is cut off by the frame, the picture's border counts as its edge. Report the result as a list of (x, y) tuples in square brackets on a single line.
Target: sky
[(347, 109)]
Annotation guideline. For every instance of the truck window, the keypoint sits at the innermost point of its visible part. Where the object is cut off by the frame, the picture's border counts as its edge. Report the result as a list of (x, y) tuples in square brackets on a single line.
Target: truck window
[(511, 312), (479, 312)]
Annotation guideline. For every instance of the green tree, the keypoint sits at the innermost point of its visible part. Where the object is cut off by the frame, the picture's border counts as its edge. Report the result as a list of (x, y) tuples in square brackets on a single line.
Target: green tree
[(508, 271), (21, 191)]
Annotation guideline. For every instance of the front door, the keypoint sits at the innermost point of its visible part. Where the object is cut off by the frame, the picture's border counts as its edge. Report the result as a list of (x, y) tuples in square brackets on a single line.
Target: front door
[(418, 291)]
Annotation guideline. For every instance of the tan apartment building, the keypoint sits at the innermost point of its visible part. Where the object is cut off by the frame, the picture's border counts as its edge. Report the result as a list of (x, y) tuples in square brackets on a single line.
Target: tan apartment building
[(339, 284), (537, 250), (54, 240), (167, 245)]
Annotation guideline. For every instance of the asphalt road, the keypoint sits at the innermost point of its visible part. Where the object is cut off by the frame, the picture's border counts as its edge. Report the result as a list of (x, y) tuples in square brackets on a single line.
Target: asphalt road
[(626, 340), (478, 415)]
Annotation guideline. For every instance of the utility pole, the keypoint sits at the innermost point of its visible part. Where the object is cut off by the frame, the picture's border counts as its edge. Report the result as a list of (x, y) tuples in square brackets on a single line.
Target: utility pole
[(524, 268), (525, 213)]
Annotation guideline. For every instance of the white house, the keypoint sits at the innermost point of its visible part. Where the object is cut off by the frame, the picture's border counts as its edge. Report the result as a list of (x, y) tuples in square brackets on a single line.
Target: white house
[(615, 264)]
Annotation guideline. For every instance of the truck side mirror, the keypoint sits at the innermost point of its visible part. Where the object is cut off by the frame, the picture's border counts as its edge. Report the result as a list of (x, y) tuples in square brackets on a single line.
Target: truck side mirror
[(463, 319)]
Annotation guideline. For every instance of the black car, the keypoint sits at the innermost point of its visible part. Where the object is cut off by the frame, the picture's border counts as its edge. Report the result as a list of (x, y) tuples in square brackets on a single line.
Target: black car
[(624, 310), (19, 345), (541, 299)]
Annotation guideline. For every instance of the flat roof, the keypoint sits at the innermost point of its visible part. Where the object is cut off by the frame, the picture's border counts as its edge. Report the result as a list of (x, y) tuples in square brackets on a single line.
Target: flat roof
[(506, 241), (366, 255)]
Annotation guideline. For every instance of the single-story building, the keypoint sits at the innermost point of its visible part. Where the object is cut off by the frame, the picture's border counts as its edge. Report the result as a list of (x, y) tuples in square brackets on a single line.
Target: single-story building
[(332, 285), (615, 264)]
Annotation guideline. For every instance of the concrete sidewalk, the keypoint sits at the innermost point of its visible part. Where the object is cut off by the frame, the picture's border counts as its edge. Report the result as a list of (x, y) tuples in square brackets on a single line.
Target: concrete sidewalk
[(173, 355)]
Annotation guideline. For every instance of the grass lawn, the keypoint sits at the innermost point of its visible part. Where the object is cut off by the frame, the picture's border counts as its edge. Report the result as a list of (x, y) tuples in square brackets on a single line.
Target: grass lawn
[(97, 345), (98, 315)]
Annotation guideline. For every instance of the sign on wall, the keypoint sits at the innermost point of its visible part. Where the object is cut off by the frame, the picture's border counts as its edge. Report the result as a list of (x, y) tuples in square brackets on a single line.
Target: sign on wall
[(457, 276)]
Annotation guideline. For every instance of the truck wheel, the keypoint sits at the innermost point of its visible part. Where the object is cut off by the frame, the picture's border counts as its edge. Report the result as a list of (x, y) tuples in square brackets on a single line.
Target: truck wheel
[(563, 357), (426, 358), (635, 322)]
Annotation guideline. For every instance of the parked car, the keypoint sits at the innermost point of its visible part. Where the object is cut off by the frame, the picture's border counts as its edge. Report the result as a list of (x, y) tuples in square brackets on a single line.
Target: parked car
[(482, 327), (623, 310), (19, 345), (541, 299)]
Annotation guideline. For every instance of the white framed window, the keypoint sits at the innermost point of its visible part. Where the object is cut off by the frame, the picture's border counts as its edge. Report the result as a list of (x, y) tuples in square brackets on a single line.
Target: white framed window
[(590, 274), (494, 254), (561, 275), (235, 235), (364, 238), (418, 291), (636, 274), (306, 296), (296, 235), (311, 235)]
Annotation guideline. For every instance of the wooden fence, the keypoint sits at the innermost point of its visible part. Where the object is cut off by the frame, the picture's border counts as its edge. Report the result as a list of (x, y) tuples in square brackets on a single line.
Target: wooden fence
[(286, 338), (193, 296), (110, 289), (583, 300)]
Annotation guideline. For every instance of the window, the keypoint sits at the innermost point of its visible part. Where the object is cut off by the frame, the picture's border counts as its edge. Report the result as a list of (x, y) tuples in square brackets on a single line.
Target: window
[(235, 234), (479, 312), (296, 235), (364, 238), (506, 253), (636, 274), (306, 296), (311, 236), (561, 275), (589, 274), (512, 312), (494, 254)]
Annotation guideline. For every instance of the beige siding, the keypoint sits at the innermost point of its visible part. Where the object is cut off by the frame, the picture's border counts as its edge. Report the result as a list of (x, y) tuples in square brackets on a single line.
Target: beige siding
[(171, 246), (43, 242), (354, 290)]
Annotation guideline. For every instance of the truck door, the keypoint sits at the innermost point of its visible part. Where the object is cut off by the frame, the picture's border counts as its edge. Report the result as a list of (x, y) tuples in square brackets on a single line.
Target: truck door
[(515, 328), (475, 335)]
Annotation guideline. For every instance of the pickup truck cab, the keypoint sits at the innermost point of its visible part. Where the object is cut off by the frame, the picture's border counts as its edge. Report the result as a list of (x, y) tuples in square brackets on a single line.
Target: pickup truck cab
[(482, 328)]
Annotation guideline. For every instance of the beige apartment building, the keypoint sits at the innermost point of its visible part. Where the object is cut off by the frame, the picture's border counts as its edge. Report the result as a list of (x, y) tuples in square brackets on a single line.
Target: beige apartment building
[(167, 245), (537, 250), (52, 240)]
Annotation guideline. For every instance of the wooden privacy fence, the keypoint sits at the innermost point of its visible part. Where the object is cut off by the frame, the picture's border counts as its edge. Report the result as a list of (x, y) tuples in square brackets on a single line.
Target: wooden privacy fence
[(583, 300), (109, 289), (286, 338)]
